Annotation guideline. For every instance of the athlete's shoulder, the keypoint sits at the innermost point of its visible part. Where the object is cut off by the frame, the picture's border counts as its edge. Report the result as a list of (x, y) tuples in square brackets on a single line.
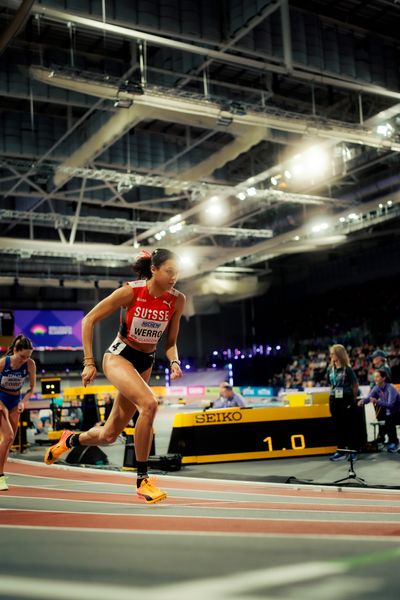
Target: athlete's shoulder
[(182, 296), (180, 300), (177, 294)]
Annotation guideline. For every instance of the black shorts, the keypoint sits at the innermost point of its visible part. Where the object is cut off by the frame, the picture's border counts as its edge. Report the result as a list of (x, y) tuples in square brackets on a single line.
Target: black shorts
[(142, 361)]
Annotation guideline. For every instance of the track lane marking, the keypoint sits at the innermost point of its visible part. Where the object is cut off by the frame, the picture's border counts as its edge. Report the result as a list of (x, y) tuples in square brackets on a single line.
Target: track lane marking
[(192, 523), (26, 468), (131, 499)]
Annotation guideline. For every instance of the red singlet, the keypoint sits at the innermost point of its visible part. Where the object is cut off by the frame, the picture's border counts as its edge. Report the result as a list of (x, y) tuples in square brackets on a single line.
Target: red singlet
[(146, 319)]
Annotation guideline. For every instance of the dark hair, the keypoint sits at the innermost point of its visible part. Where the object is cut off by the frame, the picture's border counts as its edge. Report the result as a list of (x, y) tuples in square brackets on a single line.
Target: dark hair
[(19, 343), (145, 261), (383, 373)]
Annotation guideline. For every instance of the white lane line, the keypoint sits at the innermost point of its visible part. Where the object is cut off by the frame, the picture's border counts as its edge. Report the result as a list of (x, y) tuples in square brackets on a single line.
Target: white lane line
[(373, 518), (194, 517), (69, 479), (222, 482), (198, 495), (302, 501)]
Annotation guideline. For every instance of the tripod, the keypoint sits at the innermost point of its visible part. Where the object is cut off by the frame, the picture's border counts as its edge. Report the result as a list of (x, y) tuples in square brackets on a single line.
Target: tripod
[(352, 474)]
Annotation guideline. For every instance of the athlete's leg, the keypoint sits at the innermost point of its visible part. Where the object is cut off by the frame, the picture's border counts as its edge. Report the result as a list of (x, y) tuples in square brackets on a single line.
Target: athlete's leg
[(133, 394), (141, 422), (119, 417), (133, 387), (14, 416), (6, 435)]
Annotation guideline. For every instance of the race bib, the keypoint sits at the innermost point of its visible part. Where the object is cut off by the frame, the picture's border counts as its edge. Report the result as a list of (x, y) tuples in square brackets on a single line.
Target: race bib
[(117, 346), (145, 331), (9, 382)]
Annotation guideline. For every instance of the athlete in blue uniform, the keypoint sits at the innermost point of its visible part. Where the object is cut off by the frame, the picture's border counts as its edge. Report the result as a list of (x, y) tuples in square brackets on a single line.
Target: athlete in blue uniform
[(15, 367)]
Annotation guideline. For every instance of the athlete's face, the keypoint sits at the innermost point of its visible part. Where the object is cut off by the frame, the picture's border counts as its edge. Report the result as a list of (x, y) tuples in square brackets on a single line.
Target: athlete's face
[(167, 274), (22, 355)]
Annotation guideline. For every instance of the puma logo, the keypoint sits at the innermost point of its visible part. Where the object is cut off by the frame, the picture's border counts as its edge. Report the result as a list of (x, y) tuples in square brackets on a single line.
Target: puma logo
[(167, 303)]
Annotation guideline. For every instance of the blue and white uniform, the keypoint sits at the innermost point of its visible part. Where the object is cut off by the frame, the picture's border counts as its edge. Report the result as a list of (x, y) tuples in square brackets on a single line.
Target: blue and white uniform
[(11, 382)]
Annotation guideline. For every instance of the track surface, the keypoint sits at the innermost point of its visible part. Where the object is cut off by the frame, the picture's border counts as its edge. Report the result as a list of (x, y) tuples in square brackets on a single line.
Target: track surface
[(82, 533)]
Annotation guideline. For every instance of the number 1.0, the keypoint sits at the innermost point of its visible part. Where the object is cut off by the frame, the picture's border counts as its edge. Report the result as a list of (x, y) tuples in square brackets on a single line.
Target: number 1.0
[(297, 441)]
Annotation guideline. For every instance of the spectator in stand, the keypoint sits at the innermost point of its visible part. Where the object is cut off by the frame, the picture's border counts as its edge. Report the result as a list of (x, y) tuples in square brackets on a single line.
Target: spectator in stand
[(343, 402), (228, 398), (379, 360), (385, 397)]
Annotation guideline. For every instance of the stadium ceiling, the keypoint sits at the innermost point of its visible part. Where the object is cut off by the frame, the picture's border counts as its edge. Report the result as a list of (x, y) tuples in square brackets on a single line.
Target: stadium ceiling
[(235, 131)]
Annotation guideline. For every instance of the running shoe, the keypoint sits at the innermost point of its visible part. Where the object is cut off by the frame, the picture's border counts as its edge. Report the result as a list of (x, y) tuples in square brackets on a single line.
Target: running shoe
[(149, 492), (337, 456), (3, 484), (55, 451)]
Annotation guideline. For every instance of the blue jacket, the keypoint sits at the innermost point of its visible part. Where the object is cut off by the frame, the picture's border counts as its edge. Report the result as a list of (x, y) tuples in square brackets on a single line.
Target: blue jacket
[(236, 400)]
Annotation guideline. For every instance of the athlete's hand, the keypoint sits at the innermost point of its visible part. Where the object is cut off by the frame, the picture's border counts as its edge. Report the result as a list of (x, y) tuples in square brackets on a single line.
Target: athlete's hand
[(176, 371), (88, 375), (21, 407)]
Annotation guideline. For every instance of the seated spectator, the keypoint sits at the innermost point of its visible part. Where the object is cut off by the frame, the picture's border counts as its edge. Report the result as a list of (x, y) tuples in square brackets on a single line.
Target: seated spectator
[(228, 398), (379, 360), (75, 417), (385, 395), (44, 420)]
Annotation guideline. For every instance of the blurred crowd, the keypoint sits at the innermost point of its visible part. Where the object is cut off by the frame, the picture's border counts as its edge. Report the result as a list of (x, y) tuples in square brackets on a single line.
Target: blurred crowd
[(310, 369)]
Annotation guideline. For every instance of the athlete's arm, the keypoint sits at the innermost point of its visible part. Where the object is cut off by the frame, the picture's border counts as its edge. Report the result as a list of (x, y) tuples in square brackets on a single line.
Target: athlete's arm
[(119, 298), (171, 350)]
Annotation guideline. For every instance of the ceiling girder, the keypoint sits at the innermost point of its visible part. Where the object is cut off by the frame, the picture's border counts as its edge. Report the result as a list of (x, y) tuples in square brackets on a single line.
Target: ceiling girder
[(119, 226), (198, 111), (310, 75)]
